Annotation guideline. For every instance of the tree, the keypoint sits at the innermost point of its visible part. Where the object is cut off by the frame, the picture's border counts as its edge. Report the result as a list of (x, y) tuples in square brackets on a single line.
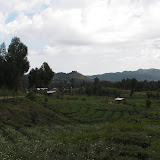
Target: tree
[(2, 63), (131, 93), (17, 63), (41, 77), (33, 77), (96, 81), (46, 73), (149, 94), (89, 90), (96, 85), (134, 84)]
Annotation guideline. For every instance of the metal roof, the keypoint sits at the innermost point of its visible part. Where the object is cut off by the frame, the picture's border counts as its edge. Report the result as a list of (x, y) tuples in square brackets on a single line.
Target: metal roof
[(42, 89), (119, 99), (51, 91)]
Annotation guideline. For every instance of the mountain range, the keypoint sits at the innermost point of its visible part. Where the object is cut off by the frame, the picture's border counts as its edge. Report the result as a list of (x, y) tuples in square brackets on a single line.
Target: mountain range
[(140, 75)]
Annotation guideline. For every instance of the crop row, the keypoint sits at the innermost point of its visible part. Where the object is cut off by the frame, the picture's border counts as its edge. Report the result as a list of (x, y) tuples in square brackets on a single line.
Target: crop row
[(97, 110), (107, 141)]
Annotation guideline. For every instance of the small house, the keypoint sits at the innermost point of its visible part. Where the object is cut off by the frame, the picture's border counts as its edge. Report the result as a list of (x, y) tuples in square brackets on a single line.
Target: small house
[(51, 93), (38, 89), (119, 100)]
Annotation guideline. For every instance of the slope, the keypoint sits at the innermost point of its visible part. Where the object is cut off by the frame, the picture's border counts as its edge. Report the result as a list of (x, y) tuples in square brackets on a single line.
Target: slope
[(27, 113), (140, 75), (61, 77)]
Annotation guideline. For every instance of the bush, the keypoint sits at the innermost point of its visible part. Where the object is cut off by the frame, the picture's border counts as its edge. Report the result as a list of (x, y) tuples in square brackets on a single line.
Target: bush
[(31, 95), (45, 99), (148, 103)]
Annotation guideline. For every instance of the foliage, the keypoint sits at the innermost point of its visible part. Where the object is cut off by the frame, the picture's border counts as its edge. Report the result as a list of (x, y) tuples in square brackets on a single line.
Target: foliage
[(41, 77), (75, 127), (148, 103), (2, 64), (154, 95), (131, 93), (97, 87), (110, 92), (80, 127), (17, 63), (31, 95), (14, 64)]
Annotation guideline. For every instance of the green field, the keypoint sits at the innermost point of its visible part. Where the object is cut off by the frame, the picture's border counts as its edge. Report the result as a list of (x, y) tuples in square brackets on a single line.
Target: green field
[(80, 127)]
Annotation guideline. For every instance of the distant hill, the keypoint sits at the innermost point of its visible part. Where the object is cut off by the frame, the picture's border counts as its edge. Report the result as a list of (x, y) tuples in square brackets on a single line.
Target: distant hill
[(62, 77), (140, 75)]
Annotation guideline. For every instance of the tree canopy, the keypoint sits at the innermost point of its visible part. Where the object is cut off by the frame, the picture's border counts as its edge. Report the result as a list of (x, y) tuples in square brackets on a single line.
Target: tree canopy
[(17, 62), (41, 77), (13, 63)]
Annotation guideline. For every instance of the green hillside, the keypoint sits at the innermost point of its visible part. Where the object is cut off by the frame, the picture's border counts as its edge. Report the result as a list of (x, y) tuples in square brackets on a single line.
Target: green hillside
[(27, 113), (61, 77), (80, 127), (140, 75)]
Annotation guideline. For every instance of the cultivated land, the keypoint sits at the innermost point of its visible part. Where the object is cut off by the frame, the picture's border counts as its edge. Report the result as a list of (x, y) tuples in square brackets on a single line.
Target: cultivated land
[(80, 127)]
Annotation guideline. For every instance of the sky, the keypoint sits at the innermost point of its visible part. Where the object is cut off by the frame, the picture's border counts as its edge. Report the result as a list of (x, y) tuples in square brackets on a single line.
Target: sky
[(88, 36)]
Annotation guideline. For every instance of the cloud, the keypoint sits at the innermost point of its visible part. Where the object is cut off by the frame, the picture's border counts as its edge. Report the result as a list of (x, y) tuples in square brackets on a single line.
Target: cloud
[(112, 34), (23, 6), (53, 51)]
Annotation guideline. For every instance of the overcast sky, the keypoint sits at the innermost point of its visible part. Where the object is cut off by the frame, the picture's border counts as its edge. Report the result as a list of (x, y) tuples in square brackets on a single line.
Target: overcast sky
[(89, 36)]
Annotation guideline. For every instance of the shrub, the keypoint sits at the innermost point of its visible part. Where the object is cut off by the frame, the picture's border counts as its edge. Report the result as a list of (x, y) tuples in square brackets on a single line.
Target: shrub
[(45, 99), (148, 103), (31, 95), (149, 94)]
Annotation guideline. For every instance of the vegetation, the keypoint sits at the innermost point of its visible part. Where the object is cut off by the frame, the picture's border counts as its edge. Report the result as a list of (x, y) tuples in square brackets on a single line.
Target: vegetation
[(66, 77), (80, 127), (98, 88), (14, 64), (82, 122), (140, 75), (41, 77)]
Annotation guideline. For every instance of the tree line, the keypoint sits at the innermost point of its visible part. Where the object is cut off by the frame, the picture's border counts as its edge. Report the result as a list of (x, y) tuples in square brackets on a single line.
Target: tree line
[(14, 64), (103, 88)]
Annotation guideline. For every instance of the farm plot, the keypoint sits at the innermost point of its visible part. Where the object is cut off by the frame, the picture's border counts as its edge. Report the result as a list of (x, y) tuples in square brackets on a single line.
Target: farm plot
[(82, 128), (96, 110), (81, 141)]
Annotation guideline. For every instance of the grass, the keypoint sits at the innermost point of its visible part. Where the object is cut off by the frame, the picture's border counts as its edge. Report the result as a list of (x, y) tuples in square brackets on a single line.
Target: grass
[(80, 127), (5, 93)]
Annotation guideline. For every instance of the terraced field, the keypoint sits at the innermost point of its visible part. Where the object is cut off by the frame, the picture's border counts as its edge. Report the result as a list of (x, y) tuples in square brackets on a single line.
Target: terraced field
[(79, 128), (97, 110)]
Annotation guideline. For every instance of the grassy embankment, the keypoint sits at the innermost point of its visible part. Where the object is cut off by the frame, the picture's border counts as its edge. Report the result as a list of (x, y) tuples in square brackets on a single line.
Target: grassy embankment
[(80, 127)]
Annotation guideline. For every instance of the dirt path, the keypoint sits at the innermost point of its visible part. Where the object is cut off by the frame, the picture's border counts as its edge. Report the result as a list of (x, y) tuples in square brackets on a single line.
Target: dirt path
[(10, 97)]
